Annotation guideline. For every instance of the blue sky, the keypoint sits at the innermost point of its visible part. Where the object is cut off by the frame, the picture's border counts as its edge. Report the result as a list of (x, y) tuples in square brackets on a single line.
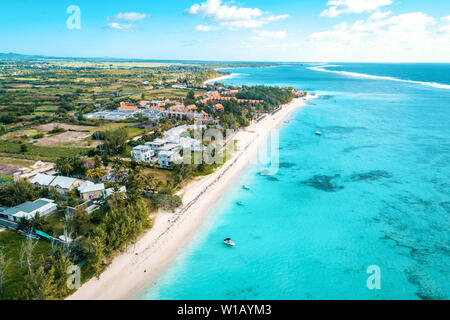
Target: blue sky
[(262, 30)]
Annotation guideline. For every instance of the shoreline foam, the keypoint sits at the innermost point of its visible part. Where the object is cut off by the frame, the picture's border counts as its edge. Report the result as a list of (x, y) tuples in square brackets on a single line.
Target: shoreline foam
[(373, 77), (140, 265)]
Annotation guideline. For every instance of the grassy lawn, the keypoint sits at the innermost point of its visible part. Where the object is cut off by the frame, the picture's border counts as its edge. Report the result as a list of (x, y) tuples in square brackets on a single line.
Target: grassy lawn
[(57, 223), (38, 152), (161, 175), (16, 162), (14, 278), (46, 108)]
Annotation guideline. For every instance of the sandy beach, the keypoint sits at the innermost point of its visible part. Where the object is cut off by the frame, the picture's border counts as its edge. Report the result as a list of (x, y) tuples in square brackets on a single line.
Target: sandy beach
[(137, 268), (228, 76)]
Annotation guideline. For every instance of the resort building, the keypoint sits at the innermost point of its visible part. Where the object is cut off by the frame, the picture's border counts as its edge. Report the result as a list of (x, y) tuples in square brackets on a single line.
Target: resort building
[(28, 210), (91, 191), (127, 107), (213, 96), (116, 115), (65, 184), (166, 149), (167, 158), (219, 107), (156, 145), (142, 153)]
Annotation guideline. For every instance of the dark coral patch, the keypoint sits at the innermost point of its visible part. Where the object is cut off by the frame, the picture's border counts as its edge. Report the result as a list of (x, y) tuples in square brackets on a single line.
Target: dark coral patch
[(324, 183), (371, 175)]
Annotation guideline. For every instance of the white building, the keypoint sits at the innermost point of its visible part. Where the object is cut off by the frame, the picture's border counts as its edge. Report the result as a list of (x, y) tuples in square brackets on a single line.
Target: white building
[(142, 153), (156, 145), (167, 158), (28, 210), (168, 148), (42, 180), (65, 184), (91, 191)]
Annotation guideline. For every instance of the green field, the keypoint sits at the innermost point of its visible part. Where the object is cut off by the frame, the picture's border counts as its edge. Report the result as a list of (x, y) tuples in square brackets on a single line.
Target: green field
[(46, 108), (39, 153)]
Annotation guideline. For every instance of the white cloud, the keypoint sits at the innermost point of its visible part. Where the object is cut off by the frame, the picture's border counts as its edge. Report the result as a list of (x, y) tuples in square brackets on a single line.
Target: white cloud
[(447, 18), (445, 29), (120, 26), (201, 27), (129, 17), (380, 15), (405, 37), (215, 10), (276, 18), (270, 34), (401, 28), (338, 7), (232, 17)]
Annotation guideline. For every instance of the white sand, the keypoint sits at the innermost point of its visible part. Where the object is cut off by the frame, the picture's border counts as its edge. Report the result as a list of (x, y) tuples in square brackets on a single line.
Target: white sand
[(218, 79), (133, 271)]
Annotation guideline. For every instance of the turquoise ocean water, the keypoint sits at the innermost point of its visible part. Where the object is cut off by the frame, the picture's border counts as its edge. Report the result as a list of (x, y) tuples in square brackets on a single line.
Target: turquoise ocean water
[(373, 190)]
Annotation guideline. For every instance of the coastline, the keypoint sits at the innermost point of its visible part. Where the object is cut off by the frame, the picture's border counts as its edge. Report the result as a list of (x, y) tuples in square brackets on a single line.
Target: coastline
[(139, 266), (228, 76)]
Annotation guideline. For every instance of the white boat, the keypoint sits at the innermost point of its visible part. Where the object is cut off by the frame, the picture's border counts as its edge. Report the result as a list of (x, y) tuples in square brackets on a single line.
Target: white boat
[(246, 187), (229, 242), (318, 133)]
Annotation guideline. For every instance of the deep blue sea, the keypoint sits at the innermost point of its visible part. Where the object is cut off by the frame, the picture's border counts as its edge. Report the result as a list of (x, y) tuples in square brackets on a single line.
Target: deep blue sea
[(374, 189)]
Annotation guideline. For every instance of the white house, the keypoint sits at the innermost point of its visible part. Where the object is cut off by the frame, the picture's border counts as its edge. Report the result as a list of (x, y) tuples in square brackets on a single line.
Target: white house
[(28, 210), (65, 184), (42, 180), (142, 153), (91, 191)]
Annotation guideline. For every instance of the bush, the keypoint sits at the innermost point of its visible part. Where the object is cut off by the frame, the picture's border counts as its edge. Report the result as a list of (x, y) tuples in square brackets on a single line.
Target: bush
[(167, 202), (38, 136), (57, 129)]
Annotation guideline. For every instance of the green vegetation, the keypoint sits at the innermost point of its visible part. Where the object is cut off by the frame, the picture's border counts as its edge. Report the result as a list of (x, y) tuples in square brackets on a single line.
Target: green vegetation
[(57, 130), (17, 192), (167, 201), (39, 152)]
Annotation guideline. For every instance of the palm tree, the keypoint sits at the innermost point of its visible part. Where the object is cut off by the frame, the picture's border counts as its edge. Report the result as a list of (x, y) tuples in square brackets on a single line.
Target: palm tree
[(90, 174), (99, 173)]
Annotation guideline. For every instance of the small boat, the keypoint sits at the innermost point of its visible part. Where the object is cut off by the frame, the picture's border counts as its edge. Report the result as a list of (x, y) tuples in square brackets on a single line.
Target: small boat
[(246, 187), (229, 242), (240, 204), (318, 133)]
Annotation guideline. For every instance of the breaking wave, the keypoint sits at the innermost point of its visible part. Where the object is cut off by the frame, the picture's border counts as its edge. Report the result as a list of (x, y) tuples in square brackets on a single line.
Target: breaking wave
[(369, 76)]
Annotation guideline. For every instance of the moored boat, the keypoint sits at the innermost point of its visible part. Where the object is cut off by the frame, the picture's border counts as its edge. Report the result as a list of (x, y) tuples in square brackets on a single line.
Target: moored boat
[(229, 242)]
